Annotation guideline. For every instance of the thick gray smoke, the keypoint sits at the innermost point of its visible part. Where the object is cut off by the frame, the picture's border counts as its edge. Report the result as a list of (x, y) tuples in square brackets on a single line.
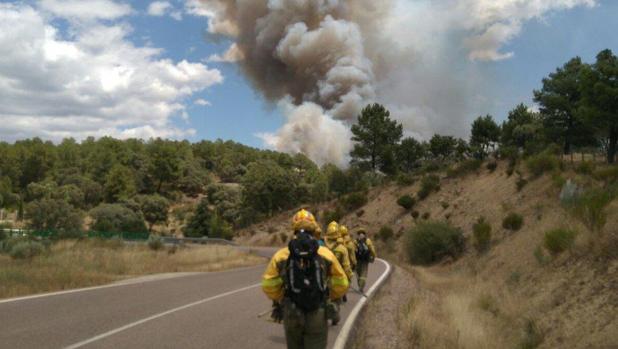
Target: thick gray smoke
[(308, 56), (321, 61)]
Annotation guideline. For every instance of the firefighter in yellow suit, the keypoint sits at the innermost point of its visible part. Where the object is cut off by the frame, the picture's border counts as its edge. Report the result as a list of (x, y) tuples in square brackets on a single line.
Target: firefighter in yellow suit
[(304, 328), (365, 254), (334, 242), (349, 244)]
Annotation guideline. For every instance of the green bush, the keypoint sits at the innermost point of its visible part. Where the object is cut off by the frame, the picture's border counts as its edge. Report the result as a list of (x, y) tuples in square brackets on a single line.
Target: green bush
[(415, 214), (559, 240), (354, 201), (334, 215), (26, 250), (585, 167), (532, 336), (426, 215), (542, 163), (155, 242), (492, 166), (521, 183), (406, 201), (117, 218), (431, 241), (590, 206), (405, 179), (513, 221), (482, 235), (540, 256), (465, 167), (510, 170), (608, 174), (429, 184), (386, 233)]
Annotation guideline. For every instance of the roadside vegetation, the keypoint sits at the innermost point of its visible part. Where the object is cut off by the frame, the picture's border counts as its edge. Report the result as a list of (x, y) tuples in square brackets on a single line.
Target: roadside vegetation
[(31, 267)]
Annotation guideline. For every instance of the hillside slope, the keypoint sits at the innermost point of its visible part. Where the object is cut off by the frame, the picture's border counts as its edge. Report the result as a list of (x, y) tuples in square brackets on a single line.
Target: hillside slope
[(514, 295)]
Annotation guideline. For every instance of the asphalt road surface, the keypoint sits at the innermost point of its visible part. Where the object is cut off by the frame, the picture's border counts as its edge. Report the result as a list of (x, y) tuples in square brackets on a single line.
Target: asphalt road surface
[(199, 310)]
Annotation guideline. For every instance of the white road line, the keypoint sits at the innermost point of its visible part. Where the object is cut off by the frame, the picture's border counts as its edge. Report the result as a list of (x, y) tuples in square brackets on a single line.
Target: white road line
[(127, 282), (139, 322), (344, 334)]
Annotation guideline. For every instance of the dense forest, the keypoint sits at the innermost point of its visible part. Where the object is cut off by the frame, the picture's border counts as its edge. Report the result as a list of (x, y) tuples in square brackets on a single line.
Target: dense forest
[(129, 185)]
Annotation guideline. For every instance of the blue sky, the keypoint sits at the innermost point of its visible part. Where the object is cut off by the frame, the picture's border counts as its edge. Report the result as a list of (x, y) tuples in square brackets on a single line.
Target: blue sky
[(547, 39)]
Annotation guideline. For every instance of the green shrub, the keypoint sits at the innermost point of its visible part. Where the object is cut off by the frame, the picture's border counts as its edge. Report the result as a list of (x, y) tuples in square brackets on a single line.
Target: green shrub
[(558, 180), (431, 241), (510, 170), (464, 168), (386, 233), (429, 184), (542, 163), (513, 221), (432, 166), (354, 201), (406, 201), (607, 175), (423, 193), (559, 240), (426, 215), (521, 183), (415, 214), (155, 242), (117, 218), (405, 179), (590, 206), (26, 250), (540, 256), (585, 167), (492, 166), (482, 234), (532, 336), (332, 215)]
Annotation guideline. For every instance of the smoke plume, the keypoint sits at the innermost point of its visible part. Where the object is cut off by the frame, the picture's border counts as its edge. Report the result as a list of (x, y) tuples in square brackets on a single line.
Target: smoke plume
[(322, 61)]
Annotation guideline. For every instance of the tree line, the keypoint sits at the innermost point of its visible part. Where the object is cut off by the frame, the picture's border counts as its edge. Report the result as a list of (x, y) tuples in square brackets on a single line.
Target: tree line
[(578, 110)]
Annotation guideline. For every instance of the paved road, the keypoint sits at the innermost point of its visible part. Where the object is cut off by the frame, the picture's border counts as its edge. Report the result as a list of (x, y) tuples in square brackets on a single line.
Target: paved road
[(200, 310)]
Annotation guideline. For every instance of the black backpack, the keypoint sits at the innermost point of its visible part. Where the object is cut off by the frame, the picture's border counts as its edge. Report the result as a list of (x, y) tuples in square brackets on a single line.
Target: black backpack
[(305, 276), (362, 250)]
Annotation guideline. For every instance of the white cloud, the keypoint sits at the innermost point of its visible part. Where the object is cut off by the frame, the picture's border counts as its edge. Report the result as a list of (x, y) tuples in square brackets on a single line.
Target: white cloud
[(159, 8), (197, 8), (487, 25), (86, 10), (95, 83), (202, 102), (177, 15)]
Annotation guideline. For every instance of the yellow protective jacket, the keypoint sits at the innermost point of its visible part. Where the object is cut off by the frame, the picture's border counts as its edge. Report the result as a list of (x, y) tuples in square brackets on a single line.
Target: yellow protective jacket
[(351, 246), (372, 248), (341, 252), (273, 284)]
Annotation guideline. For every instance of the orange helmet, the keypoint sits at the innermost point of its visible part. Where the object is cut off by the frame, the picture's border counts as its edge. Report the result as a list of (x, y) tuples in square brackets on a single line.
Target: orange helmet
[(304, 220)]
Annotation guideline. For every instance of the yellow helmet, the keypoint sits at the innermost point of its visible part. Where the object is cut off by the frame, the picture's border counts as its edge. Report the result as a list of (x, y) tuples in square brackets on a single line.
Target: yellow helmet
[(343, 231), (333, 230), (304, 220), (317, 234)]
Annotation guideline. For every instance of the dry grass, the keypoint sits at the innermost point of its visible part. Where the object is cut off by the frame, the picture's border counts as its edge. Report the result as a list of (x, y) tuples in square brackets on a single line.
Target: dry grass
[(71, 264), (491, 300)]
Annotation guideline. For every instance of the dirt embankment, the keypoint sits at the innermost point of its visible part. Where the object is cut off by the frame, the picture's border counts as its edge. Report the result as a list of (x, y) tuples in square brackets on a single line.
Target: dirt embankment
[(514, 296)]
